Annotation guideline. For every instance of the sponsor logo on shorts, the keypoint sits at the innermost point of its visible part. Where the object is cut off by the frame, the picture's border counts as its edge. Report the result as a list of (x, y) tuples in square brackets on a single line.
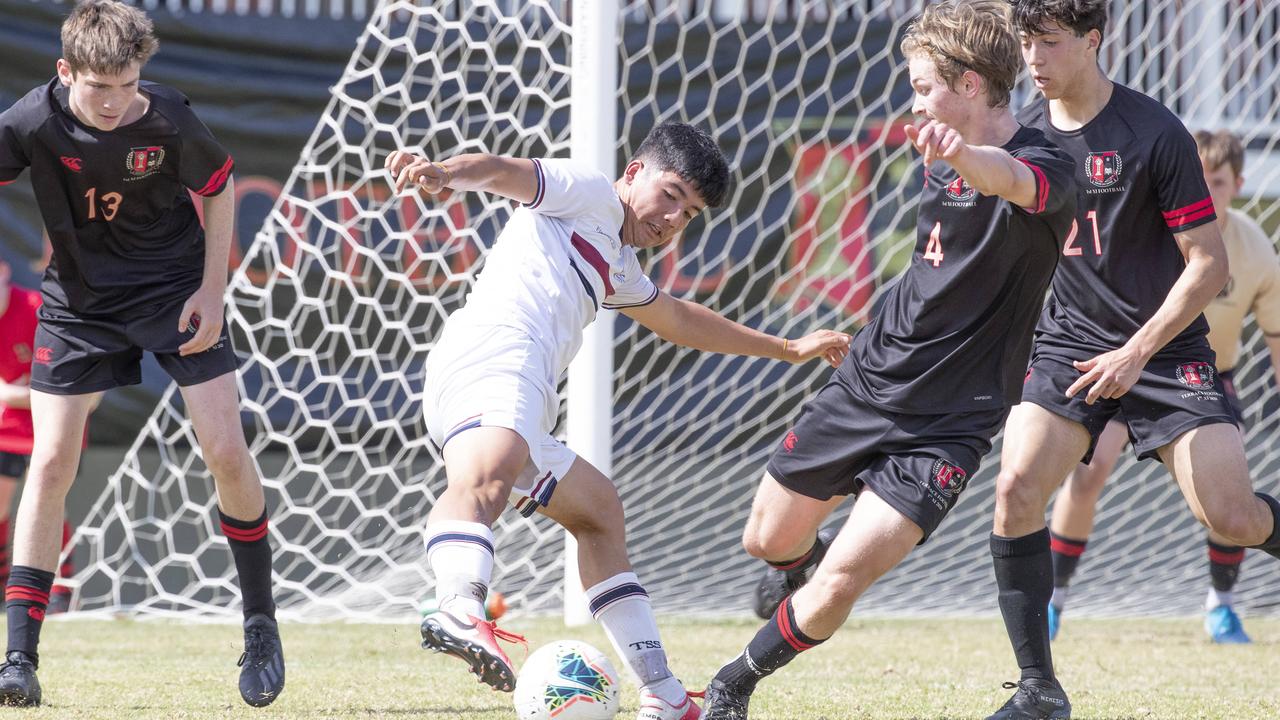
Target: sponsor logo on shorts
[(789, 442), (949, 479), (1103, 168), (74, 164), (43, 355), (144, 161), (1196, 375)]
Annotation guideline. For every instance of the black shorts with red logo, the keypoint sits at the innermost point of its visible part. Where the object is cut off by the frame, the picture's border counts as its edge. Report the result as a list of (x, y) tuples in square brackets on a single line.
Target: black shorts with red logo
[(918, 464), (1171, 398), (76, 355)]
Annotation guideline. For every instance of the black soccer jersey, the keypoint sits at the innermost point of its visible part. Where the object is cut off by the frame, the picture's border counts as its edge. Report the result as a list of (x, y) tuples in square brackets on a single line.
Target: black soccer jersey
[(125, 232), (1140, 182), (955, 332)]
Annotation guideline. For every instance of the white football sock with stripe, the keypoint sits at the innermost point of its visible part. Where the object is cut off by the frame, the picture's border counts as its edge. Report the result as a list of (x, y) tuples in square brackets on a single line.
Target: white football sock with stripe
[(622, 607), (461, 557)]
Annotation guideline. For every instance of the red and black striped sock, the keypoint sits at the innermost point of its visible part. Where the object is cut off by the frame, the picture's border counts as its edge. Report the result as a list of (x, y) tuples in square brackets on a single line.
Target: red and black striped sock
[(1066, 556), (777, 643), (251, 549), (1224, 565), (805, 561), (26, 599)]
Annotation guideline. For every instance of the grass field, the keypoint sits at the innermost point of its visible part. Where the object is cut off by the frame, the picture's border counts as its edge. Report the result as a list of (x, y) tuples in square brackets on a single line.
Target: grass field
[(872, 670)]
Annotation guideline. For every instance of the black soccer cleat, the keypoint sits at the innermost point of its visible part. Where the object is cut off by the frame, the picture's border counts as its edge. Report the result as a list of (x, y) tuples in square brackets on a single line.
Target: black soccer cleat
[(721, 702), (475, 642), (262, 664), (1035, 700), (775, 585), (18, 684)]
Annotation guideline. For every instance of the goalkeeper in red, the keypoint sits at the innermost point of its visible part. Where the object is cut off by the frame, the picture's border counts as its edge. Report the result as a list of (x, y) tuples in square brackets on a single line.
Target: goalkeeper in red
[(905, 421), (491, 401)]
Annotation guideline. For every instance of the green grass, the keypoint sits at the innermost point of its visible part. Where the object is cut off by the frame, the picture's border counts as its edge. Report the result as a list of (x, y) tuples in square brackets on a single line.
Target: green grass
[(872, 669)]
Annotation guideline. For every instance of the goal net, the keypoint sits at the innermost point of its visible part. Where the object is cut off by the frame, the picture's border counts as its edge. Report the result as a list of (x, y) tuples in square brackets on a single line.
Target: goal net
[(345, 288)]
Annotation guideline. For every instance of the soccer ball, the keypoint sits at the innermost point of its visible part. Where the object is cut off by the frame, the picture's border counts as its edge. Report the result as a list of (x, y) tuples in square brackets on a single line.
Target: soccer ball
[(567, 680)]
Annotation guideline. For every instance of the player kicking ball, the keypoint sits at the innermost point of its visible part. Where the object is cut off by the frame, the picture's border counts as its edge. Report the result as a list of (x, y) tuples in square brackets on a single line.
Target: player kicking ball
[(908, 416), (112, 159), (491, 401), (1254, 287), (1122, 333)]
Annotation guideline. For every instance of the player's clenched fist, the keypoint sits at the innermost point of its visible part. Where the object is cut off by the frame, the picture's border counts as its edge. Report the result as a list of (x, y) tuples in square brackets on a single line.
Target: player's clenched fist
[(830, 345), (407, 168), (935, 141)]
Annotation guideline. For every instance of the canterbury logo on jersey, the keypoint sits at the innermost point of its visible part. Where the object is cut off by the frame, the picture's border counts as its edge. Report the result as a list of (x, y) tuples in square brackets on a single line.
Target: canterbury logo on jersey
[(74, 164)]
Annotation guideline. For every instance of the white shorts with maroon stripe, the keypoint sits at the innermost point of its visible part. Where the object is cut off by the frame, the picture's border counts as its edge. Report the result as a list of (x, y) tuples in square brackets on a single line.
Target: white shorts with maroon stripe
[(496, 376)]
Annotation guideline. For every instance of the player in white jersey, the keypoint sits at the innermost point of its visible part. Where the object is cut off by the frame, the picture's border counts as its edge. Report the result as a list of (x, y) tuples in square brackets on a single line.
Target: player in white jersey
[(491, 401), (1254, 286)]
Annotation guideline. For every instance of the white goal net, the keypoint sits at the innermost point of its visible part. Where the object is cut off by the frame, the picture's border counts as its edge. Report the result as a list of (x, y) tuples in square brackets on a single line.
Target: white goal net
[(345, 288)]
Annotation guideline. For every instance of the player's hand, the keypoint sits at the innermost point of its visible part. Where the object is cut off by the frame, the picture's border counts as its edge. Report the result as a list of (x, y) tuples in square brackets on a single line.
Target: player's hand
[(203, 313), (936, 141), (830, 345), (1110, 374), (407, 168)]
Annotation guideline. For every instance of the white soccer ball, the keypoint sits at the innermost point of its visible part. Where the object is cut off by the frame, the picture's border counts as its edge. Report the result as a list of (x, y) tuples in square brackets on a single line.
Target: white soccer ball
[(567, 680)]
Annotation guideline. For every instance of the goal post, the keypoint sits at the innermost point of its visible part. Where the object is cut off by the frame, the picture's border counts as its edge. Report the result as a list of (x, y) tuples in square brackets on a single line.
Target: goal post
[(593, 137)]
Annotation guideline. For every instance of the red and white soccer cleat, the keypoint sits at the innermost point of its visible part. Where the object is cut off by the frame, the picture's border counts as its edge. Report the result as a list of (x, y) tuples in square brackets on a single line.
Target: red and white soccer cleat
[(474, 641), (653, 707)]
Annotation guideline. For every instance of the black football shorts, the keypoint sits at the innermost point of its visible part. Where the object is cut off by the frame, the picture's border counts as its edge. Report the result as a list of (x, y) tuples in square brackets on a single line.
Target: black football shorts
[(1171, 397), (76, 355), (918, 464)]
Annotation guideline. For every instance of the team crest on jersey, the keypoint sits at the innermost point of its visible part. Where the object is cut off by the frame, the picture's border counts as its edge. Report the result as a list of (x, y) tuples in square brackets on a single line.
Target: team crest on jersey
[(958, 189), (1103, 168), (948, 479), (789, 442), (1196, 375), (144, 161)]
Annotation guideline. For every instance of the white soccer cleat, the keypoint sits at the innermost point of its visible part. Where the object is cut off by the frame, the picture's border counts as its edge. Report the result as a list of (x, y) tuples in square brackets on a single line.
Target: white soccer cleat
[(653, 707), (474, 641)]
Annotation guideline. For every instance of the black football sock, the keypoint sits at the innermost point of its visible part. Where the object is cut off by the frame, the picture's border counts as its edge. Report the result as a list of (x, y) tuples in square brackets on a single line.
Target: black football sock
[(1066, 557), (252, 553), (26, 600), (1272, 544), (1024, 575), (805, 561), (1224, 565), (776, 643)]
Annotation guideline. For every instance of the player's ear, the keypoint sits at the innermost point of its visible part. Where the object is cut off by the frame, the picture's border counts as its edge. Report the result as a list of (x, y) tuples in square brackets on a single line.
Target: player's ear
[(632, 170), (1095, 40), (65, 74), (972, 83), (1239, 183)]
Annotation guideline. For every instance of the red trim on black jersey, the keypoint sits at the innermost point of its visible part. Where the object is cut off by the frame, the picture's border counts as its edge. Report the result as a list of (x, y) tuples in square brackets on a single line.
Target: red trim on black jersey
[(1189, 214), (592, 256), (217, 180), (1042, 187), (6, 182)]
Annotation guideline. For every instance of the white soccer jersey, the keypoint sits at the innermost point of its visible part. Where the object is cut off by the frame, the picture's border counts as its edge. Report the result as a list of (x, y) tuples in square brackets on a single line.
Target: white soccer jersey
[(559, 260)]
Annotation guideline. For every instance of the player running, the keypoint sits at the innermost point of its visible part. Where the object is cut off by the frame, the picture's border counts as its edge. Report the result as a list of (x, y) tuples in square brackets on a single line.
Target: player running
[(907, 418), (491, 400), (112, 159), (1122, 332)]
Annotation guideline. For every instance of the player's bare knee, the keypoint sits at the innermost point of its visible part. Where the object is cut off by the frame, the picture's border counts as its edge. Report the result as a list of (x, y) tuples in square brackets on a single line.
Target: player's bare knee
[(1018, 497), (1237, 524), (837, 588), (51, 479)]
